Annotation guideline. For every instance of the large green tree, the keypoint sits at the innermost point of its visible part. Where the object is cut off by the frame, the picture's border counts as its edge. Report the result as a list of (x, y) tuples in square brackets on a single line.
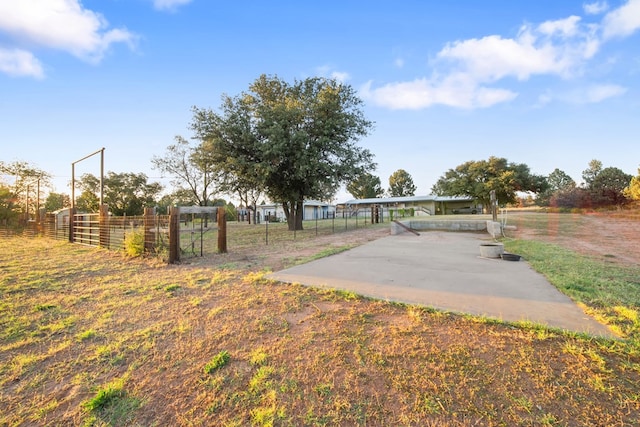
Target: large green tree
[(557, 180), (590, 173), (57, 201), (401, 184), (297, 141), (478, 178), (28, 184), (8, 211), (607, 188), (365, 186), (124, 193)]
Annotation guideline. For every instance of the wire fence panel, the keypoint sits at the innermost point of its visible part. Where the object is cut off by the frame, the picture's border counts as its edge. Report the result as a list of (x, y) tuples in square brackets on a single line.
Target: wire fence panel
[(242, 235), (55, 228), (198, 235)]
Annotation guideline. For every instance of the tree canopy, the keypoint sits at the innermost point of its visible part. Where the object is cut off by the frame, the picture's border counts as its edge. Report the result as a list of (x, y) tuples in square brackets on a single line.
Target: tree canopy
[(365, 186), (557, 181), (191, 168), (590, 174), (27, 179), (607, 188), (57, 201), (296, 141), (477, 178), (124, 193), (8, 212), (401, 184)]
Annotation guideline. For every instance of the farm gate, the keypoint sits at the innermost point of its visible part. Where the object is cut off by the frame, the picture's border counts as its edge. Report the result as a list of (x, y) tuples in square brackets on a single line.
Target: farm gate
[(174, 235)]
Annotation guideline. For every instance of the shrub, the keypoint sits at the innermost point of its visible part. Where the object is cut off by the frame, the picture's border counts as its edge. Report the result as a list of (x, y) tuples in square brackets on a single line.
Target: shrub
[(134, 243), (217, 362)]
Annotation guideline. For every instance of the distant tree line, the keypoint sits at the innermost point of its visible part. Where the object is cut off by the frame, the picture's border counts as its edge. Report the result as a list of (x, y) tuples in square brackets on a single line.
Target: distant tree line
[(602, 186)]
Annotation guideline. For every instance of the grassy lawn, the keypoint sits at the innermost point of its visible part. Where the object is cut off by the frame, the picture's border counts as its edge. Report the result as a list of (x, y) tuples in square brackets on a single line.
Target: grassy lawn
[(89, 337)]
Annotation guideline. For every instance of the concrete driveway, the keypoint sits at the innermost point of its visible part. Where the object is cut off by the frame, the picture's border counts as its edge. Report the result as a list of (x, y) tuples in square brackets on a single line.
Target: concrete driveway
[(444, 270)]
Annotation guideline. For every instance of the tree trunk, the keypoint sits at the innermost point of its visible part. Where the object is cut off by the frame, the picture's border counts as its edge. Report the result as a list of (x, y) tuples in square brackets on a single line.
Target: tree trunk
[(293, 211)]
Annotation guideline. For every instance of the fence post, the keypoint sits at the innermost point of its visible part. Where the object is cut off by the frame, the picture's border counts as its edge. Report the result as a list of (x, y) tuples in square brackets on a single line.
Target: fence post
[(174, 235), (222, 230), (149, 222), (103, 227), (72, 214)]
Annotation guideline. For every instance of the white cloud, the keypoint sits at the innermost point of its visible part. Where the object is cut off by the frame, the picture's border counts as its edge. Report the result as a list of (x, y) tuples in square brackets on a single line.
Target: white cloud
[(60, 24), (595, 8), (340, 76), (329, 72), (554, 47), (598, 93), (169, 5), (622, 22), (592, 94), (399, 62), (17, 62), (466, 73), (564, 27), (465, 70), (424, 93)]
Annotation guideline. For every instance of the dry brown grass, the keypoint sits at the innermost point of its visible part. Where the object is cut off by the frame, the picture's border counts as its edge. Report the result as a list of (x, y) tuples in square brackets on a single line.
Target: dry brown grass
[(78, 321)]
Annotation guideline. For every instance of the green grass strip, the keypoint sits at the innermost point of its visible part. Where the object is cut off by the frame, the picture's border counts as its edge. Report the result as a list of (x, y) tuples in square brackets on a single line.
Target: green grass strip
[(612, 290)]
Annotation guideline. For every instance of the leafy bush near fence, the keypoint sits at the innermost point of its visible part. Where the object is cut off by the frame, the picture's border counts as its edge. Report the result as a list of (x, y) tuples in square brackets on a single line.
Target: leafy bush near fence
[(134, 243)]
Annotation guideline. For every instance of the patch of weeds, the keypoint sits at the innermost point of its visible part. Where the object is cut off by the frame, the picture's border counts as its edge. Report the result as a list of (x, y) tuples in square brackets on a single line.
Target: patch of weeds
[(548, 420), (317, 420), (105, 396), (323, 389), (272, 324), (220, 277), (43, 410), (59, 326), (258, 357), (257, 278), (415, 313), (340, 294), (228, 266), (522, 402), (323, 254), (215, 382), (111, 404), (171, 289), (109, 353), (266, 416), (45, 307), (23, 363), (182, 327), (428, 404), (260, 380), (217, 362), (289, 386), (86, 335)]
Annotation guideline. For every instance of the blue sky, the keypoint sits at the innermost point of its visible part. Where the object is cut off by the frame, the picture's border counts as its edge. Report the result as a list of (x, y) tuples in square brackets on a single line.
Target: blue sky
[(549, 83)]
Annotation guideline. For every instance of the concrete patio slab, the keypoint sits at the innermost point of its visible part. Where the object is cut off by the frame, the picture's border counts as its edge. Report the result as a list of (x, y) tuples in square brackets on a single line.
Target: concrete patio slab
[(444, 270)]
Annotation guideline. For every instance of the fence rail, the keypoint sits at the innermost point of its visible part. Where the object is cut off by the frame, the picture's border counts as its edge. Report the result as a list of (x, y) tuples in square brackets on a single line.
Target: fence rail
[(198, 232)]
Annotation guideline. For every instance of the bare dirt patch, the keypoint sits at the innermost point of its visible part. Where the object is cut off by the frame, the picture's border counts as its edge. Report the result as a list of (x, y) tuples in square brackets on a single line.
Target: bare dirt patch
[(281, 255), (610, 236)]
